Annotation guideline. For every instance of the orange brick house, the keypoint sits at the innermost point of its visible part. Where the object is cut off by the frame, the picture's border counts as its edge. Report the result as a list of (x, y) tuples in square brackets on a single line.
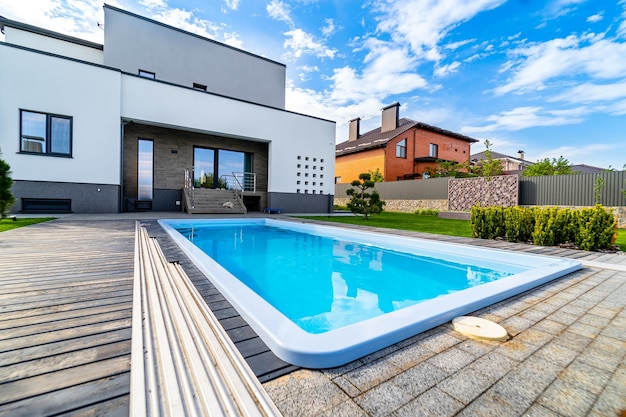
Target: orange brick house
[(400, 149)]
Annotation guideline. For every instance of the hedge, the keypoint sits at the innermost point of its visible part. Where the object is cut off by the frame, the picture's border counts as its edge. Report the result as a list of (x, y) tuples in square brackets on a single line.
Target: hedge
[(589, 228)]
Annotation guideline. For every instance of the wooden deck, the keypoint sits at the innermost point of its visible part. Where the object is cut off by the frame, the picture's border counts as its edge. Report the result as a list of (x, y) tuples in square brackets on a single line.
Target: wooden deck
[(65, 318)]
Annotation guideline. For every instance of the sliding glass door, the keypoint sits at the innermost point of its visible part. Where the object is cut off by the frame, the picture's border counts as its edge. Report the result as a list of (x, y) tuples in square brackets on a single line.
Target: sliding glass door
[(214, 168)]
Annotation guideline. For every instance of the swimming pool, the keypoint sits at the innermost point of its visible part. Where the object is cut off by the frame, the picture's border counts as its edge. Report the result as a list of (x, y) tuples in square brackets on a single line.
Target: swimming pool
[(313, 293)]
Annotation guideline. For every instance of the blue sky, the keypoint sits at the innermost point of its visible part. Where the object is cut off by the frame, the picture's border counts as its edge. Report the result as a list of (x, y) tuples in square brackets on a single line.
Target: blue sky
[(547, 77)]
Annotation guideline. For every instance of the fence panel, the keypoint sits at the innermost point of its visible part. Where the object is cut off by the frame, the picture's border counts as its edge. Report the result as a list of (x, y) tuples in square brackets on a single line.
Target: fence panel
[(573, 190), (557, 190), (430, 189)]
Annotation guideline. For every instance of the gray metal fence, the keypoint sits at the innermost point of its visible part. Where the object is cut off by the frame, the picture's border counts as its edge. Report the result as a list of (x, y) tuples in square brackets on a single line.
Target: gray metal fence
[(558, 190), (431, 189), (573, 190)]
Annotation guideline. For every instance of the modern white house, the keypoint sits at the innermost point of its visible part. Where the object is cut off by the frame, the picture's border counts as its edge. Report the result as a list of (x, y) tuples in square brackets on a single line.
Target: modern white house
[(156, 118)]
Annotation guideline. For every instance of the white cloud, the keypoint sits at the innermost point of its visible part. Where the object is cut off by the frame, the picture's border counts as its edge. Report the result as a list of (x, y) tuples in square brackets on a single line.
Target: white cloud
[(424, 23), (447, 69), (595, 18), (73, 18), (592, 92), (232, 4), (455, 45), (153, 4), (527, 117), (588, 55), (330, 28), (279, 11), (299, 43)]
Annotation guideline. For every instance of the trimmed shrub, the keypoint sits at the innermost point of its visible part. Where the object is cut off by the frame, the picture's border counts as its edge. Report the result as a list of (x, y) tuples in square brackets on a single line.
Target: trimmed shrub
[(487, 222), (597, 228), (519, 224), (590, 229)]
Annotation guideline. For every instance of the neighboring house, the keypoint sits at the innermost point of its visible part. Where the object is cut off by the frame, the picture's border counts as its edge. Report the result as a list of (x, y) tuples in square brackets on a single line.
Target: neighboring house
[(98, 128), (400, 149), (510, 164), (587, 169)]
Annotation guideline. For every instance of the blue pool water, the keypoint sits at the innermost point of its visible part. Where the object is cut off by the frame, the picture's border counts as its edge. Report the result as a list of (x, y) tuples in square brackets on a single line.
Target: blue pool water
[(323, 283), (321, 296)]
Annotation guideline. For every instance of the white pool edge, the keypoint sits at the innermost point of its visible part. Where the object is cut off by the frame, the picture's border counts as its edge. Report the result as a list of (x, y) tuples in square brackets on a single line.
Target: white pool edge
[(337, 347)]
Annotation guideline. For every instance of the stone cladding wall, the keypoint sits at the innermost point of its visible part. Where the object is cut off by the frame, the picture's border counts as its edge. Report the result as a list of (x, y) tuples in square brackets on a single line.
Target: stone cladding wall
[(405, 206), (463, 193)]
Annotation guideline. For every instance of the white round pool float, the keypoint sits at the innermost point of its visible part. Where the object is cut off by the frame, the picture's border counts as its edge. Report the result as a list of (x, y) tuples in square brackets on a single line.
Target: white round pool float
[(480, 329)]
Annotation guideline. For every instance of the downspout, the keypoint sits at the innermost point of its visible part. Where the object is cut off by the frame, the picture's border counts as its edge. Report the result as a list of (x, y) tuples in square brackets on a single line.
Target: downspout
[(414, 144)]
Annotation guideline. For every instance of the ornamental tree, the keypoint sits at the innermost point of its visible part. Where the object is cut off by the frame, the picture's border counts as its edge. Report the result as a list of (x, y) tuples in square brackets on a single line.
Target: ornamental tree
[(6, 198), (363, 202)]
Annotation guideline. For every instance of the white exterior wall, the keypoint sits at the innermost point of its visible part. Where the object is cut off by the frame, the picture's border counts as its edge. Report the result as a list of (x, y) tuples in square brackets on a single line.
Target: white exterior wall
[(90, 94), (290, 134), (54, 46)]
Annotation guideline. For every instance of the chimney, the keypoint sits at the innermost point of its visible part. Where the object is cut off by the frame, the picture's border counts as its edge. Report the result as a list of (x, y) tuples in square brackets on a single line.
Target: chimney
[(520, 154), (353, 131), (390, 117)]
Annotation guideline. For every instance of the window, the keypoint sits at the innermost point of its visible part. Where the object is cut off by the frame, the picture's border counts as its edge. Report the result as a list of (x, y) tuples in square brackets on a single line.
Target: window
[(45, 133), (401, 149), (147, 74), (145, 169), (200, 87), (434, 150)]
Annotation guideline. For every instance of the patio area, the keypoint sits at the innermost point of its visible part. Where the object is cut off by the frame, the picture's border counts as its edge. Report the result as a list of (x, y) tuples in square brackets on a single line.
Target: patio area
[(65, 317)]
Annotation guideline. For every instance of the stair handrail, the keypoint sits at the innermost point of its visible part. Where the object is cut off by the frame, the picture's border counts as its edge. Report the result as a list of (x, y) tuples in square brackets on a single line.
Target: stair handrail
[(248, 180)]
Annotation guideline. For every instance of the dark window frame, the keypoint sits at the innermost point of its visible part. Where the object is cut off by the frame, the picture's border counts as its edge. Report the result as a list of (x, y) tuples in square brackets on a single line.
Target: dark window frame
[(47, 151), (198, 86), (401, 149)]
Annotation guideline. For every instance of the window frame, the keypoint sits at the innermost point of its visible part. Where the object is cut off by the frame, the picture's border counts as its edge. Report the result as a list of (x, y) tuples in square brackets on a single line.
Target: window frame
[(401, 149), (47, 151), (433, 147)]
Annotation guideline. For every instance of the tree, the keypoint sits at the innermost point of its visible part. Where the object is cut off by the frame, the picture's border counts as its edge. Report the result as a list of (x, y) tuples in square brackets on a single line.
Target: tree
[(377, 176), (6, 198), (450, 169), (559, 166), (489, 167), (362, 202)]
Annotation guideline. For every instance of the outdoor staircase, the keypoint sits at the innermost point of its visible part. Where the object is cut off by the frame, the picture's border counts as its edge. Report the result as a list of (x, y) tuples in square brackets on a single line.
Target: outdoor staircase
[(210, 201)]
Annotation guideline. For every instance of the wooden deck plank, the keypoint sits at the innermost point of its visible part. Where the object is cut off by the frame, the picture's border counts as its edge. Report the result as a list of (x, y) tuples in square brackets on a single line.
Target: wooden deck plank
[(84, 396), (65, 334), (112, 298), (35, 319), (62, 346), (61, 361), (120, 312), (38, 385), (56, 301)]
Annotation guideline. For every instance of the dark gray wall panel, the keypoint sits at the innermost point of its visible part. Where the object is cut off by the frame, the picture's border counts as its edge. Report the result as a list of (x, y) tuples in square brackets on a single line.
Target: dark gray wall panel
[(301, 203), (86, 198)]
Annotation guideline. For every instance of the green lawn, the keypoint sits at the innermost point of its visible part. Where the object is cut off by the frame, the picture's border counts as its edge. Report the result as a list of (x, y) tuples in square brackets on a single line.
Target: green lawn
[(621, 239), (8, 224), (406, 221), (426, 224)]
